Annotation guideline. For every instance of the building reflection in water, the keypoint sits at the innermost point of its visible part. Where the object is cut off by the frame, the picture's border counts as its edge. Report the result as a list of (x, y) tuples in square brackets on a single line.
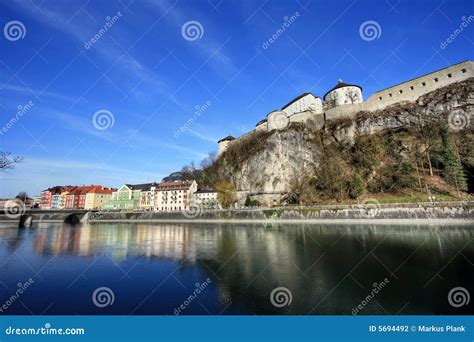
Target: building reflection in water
[(326, 267)]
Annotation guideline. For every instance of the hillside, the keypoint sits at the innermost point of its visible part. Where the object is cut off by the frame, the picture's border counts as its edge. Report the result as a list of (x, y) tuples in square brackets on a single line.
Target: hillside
[(423, 146)]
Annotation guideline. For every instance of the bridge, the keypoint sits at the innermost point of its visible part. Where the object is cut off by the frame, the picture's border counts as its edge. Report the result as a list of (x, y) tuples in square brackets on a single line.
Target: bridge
[(27, 217)]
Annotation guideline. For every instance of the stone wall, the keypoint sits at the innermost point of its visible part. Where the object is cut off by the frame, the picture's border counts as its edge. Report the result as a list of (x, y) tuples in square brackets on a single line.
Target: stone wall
[(413, 89), (422, 211), (344, 111)]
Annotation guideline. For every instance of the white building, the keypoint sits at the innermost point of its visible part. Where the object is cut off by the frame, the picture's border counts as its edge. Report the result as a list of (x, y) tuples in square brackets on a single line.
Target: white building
[(174, 196), (303, 103), (346, 100), (206, 199)]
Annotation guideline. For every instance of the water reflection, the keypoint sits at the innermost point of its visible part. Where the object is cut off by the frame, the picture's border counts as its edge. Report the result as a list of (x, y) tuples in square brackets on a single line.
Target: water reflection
[(328, 268)]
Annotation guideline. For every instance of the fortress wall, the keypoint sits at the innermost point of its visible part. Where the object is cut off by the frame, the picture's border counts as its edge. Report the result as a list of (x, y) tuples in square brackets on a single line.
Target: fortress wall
[(262, 127), (412, 90), (344, 111), (301, 117)]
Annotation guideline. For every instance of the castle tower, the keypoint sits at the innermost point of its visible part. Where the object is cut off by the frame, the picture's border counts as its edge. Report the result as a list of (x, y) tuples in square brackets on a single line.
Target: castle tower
[(343, 94), (223, 143), (277, 119)]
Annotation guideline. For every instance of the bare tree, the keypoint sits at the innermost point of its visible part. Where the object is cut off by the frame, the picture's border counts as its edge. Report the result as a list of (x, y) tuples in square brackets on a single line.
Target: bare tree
[(352, 96), (7, 161)]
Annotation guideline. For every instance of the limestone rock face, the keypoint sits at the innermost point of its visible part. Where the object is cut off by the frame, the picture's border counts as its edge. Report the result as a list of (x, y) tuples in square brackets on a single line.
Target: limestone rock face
[(290, 153), (287, 155)]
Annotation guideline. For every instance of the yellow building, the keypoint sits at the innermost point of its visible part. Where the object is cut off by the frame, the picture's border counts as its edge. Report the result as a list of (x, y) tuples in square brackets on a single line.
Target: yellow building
[(96, 198)]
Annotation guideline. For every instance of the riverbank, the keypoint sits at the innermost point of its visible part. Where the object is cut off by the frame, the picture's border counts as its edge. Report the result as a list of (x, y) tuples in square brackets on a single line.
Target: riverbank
[(462, 212)]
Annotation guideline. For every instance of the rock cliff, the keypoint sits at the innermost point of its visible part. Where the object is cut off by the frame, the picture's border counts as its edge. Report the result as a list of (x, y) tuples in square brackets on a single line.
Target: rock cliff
[(266, 164)]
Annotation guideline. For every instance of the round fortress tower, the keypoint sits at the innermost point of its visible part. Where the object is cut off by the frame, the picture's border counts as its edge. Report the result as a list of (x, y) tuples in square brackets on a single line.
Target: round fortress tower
[(343, 94), (277, 119), (223, 143)]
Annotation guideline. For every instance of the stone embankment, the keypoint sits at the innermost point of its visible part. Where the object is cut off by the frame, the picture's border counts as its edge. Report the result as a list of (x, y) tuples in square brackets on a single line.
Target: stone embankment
[(395, 213)]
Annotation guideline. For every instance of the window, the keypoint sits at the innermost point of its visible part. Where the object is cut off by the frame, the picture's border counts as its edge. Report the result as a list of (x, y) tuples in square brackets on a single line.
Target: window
[(423, 84), (449, 75), (463, 71), (412, 87), (436, 79), (380, 98), (390, 95), (400, 91)]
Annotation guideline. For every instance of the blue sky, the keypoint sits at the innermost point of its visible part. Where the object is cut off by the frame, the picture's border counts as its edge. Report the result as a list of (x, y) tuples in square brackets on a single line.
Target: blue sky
[(151, 79)]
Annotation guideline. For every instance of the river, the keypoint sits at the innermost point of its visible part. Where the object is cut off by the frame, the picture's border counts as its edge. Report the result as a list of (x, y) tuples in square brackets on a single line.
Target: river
[(202, 269)]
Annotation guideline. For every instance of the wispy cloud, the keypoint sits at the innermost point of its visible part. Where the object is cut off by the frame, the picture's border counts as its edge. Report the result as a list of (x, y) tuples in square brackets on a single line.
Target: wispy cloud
[(202, 136), (62, 18)]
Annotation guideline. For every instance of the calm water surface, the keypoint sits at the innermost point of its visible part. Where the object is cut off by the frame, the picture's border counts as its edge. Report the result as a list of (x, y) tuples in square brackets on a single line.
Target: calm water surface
[(155, 268)]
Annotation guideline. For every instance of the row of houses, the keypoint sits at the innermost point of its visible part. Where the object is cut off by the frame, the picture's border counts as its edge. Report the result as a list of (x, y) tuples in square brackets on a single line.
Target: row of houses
[(164, 196), (75, 197)]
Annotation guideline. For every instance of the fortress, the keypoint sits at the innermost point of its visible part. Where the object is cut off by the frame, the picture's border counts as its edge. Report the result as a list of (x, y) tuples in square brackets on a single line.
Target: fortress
[(345, 100)]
